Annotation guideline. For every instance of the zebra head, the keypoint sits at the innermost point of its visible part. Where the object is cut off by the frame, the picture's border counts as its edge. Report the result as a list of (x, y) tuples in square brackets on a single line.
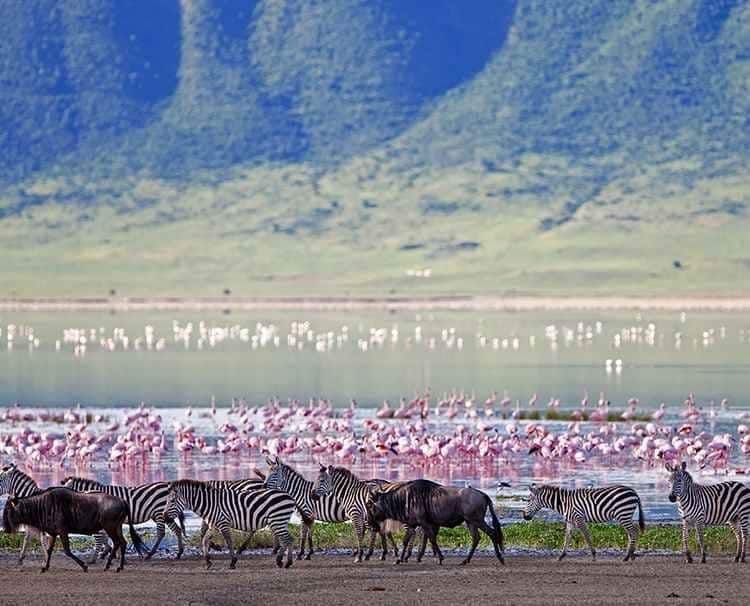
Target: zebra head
[(324, 484), (535, 502), (678, 481), (7, 475), (277, 473), (174, 506)]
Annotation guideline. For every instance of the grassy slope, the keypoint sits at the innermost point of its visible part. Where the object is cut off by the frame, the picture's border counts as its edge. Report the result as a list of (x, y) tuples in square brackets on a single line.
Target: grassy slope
[(571, 164)]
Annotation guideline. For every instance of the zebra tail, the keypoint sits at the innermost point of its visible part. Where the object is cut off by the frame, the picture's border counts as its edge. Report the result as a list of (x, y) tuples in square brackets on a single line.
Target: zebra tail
[(641, 520), (134, 537), (495, 523)]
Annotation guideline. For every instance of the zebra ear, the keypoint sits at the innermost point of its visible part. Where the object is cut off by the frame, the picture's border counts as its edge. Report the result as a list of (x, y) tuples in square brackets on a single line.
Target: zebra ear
[(269, 461), (684, 465), (322, 467), (278, 460)]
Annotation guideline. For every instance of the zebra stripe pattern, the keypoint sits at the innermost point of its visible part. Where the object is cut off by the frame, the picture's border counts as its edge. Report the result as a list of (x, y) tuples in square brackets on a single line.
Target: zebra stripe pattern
[(146, 503), (352, 495), (226, 509), (243, 485), (703, 505), (324, 509), (582, 505)]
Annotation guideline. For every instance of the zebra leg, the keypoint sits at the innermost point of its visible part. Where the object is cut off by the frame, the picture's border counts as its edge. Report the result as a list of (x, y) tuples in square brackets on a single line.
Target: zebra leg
[(286, 544), (178, 533), (632, 538), (160, 532), (359, 527), (205, 543), (25, 544), (371, 550), (406, 549), (583, 527), (566, 542), (228, 540), (247, 542), (686, 542), (474, 532), (309, 543), (101, 547), (50, 547), (735, 526), (744, 527), (303, 530), (701, 542), (66, 548)]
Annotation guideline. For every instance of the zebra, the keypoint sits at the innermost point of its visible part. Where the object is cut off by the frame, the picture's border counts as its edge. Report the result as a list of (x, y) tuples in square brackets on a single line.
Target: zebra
[(225, 509), (244, 485), (15, 482), (146, 502), (353, 495), (325, 509), (581, 505), (702, 505)]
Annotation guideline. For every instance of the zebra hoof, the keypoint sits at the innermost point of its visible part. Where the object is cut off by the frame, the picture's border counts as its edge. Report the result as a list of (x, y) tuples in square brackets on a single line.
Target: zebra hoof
[(561, 557), (118, 569), (208, 565), (233, 564), (85, 568), (42, 571), (279, 562), (464, 562), (501, 559), (288, 564), (308, 556)]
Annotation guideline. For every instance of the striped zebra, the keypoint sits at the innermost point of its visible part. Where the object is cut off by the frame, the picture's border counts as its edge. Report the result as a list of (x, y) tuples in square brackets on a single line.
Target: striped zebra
[(324, 509), (146, 503), (15, 482), (353, 495), (582, 505), (244, 485), (226, 509), (703, 505)]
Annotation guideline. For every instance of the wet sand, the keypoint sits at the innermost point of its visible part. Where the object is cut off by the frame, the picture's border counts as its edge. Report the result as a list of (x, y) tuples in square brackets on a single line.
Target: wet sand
[(335, 580)]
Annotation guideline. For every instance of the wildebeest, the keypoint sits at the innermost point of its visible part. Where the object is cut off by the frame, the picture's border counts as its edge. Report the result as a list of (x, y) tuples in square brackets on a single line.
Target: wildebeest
[(61, 511), (430, 505)]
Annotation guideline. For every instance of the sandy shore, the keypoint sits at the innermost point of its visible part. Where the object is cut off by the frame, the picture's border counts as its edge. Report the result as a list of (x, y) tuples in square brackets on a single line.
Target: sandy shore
[(335, 580), (457, 303)]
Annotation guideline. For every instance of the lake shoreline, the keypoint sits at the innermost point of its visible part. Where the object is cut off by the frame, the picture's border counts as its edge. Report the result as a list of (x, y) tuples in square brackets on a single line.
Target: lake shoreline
[(435, 303)]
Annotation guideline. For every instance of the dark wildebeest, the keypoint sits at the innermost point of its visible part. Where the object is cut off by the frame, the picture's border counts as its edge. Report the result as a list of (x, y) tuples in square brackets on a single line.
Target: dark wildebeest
[(430, 505), (61, 511)]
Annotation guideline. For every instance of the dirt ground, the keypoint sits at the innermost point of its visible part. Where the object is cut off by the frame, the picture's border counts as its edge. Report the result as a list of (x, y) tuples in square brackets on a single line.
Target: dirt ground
[(336, 580)]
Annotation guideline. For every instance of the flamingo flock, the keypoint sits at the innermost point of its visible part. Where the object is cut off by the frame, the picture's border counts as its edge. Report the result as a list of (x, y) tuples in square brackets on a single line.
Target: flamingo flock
[(456, 427)]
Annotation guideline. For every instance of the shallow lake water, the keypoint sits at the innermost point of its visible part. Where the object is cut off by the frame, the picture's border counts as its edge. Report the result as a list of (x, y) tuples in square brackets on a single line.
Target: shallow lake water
[(108, 363)]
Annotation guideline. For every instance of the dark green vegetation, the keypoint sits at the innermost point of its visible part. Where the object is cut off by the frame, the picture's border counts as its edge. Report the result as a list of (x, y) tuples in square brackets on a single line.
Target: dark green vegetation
[(539, 535), (330, 146)]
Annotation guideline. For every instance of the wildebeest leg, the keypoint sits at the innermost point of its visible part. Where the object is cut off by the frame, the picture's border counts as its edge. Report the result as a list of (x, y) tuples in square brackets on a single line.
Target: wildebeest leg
[(228, 540), (118, 540), (246, 543), (373, 537), (431, 533), (178, 533), (66, 548), (392, 539), (495, 537), (423, 546), (474, 532), (50, 547)]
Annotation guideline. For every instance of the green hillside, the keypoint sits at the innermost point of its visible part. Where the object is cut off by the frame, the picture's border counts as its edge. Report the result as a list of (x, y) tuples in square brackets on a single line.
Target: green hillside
[(339, 147)]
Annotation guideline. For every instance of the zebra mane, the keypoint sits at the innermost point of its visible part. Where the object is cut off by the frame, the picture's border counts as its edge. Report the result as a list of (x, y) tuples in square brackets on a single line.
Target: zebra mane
[(342, 473)]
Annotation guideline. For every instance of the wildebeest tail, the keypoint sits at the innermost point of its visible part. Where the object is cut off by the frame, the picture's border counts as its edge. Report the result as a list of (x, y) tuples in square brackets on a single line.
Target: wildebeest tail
[(495, 522), (134, 537), (641, 520)]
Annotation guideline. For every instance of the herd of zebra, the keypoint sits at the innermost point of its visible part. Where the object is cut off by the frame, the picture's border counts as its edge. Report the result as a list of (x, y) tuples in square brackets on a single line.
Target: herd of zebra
[(337, 495)]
